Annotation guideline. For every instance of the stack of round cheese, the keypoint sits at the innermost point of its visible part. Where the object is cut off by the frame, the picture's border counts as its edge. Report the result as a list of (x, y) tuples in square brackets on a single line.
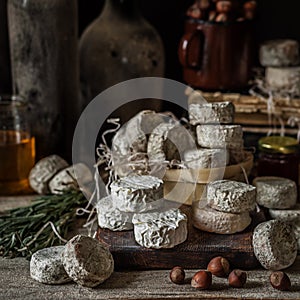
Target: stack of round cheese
[(279, 195), (136, 202), (281, 59), (215, 133), (226, 209)]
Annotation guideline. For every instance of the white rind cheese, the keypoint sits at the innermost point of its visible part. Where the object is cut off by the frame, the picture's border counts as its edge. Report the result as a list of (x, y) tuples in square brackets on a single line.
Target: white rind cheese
[(287, 215), (279, 53), (216, 112), (287, 79), (275, 245), (211, 220), (112, 218), (220, 136), (46, 266), (206, 158), (231, 196), (160, 229), (66, 179), (275, 192), (43, 171), (137, 193), (87, 261), (169, 141)]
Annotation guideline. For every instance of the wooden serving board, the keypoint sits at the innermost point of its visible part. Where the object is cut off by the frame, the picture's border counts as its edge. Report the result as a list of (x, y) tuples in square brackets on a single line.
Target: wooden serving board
[(194, 253)]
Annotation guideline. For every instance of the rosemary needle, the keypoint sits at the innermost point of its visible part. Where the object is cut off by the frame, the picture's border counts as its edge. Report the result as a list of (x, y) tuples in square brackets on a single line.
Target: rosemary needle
[(44, 223)]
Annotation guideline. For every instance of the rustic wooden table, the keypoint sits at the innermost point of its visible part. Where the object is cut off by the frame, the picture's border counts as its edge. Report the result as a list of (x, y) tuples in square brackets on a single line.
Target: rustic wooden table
[(16, 283)]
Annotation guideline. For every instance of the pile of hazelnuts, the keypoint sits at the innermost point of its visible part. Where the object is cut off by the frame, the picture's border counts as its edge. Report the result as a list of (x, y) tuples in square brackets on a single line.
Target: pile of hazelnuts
[(220, 267), (222, 10)]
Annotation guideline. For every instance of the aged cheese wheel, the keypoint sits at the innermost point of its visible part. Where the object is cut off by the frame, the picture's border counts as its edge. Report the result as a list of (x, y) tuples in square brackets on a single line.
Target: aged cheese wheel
[(231, 196), (46, 266), (287, 215), (216, 112), (131, 139), (287, 78), (43, 171), (137, 193), (65, 180), (275, 245), (208, 219), (206, 158), (111, 218), (169, 141), (296, 230), (87, 261), (275, 192), (279, 53), (160, 229), (220, 136)]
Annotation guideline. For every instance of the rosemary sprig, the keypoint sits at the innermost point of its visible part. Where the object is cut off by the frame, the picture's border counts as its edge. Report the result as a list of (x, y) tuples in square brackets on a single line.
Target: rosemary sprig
[(25, 230)]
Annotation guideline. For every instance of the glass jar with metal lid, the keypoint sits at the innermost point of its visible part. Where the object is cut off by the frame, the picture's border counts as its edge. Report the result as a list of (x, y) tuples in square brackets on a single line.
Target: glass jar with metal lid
[(279, 156)]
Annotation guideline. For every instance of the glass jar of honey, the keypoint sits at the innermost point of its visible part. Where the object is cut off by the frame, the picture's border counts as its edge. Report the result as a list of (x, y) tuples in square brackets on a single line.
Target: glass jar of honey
[(279, 156), (17, 146)]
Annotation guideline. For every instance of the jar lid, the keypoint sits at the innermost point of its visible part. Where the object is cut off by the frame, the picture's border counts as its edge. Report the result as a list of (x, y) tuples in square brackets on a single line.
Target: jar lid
[(278, 144)]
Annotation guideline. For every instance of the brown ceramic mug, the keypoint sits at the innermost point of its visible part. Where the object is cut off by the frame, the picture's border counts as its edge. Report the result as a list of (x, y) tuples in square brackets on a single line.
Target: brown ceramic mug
[(217, 55)]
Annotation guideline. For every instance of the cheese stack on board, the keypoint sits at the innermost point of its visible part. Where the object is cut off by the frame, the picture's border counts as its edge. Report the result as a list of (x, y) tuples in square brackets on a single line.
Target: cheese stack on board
[(279, 195), (216, 135), (136, 203), (227, 207), (281, 60)]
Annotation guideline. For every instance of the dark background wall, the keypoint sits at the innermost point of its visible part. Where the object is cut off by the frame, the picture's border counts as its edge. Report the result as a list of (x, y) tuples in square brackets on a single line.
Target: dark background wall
[(275, 19)]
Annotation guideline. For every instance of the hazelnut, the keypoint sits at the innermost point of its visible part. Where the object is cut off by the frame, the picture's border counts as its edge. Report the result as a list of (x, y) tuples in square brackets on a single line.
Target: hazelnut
[(177, 275), (280, 281), (250, 6), (221, 18), (219, 266), (224, 7), (212, 15), (202, 280), (203, 4), (237, 278)]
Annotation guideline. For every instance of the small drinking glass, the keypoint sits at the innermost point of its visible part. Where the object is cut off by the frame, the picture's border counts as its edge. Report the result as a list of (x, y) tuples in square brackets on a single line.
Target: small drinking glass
[(17, 146)]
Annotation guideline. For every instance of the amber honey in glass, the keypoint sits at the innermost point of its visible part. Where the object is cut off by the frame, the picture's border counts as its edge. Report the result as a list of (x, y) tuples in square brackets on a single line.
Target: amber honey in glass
[(17, 147)]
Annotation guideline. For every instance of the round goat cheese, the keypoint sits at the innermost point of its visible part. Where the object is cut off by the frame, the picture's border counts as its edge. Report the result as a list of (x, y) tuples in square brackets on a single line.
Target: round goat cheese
[(287, 215), (210, 220), (43, 171), (275, 245), (137, 193), (87, 261), (206, 158), (231, 196), (279, 53), (275, 192), (111, 217), (208, 113), (46, 266), (160, 229)]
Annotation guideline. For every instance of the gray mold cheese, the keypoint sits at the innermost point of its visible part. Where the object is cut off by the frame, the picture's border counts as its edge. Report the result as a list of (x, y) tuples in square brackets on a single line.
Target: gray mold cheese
[(111, 217), (209, 113), (87, 261), (275, 192), (157, 230), (275, 245), (46, 266), (137, 193), (231, 196), (44, 171)]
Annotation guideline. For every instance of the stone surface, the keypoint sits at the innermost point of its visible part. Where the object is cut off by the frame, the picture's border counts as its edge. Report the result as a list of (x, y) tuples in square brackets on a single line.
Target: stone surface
[(160, 229), (140, 285), (231, 196), (46, 266), (275, 245), (87, 261)]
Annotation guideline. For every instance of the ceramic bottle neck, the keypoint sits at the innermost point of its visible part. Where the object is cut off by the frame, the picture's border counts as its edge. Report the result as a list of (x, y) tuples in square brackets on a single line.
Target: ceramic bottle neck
[(128, 9)]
